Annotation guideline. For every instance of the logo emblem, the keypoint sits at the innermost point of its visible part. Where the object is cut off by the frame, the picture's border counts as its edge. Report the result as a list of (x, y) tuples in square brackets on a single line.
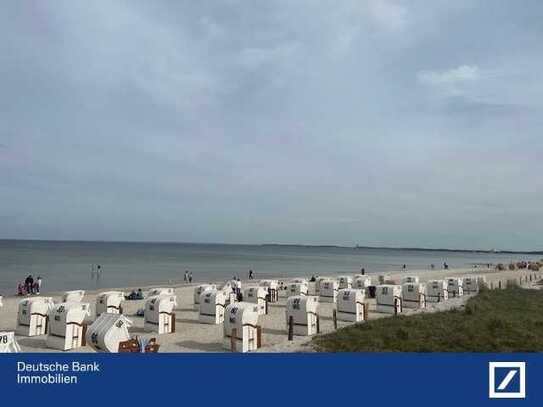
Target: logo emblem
[(507, 380)]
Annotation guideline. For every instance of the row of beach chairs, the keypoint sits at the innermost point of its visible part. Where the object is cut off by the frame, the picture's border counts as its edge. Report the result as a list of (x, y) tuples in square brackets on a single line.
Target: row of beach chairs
[(66, 324), (240, 319)]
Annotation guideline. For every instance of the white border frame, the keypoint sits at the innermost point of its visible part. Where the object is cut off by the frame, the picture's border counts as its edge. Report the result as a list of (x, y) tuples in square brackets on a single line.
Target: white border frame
[(521, 394)]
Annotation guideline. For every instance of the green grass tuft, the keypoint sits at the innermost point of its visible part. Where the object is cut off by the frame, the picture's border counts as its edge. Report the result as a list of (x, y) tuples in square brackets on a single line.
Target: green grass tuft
[(509, 320)]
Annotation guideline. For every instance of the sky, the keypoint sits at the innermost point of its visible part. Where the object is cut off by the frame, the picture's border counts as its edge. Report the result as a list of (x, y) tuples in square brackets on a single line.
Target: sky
[(390, 123)]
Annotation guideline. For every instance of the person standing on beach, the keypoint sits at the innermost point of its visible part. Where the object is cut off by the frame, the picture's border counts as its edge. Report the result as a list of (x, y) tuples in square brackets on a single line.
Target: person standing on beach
[(29, 283), (251, 275), (190, 277), (362, 271), (38, 285), (186, 277)]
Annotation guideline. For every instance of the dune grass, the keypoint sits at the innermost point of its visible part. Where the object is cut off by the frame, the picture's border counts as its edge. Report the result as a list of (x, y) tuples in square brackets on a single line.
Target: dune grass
[(509, 320)]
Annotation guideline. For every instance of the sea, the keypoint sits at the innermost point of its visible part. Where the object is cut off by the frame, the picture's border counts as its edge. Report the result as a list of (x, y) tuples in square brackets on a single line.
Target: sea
[(65, 265)]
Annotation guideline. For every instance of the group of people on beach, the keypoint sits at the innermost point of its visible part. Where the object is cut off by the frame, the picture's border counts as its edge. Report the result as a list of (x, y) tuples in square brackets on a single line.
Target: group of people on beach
[(135, 295), (187, 278), (29, 286)]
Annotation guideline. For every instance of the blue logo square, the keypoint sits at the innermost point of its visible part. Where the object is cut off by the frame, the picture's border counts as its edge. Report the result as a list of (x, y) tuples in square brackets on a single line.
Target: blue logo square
[(506, 379)]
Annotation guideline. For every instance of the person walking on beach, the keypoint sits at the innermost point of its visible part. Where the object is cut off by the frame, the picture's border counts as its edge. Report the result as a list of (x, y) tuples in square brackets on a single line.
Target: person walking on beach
[(190, 277), (186, 277), (362, 271), (239, 295), (251, 275), (38, 285)]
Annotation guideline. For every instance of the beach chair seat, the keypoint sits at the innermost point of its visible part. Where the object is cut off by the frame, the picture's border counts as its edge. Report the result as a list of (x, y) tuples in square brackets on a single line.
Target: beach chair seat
[(8, 343), (129, 346)]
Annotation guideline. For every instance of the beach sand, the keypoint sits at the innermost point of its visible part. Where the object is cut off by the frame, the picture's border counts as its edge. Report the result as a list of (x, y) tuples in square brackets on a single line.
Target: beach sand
[(192, 336)]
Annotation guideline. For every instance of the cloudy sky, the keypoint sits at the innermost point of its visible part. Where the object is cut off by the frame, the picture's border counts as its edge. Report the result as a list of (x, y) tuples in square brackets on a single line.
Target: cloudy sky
[(321, 122)]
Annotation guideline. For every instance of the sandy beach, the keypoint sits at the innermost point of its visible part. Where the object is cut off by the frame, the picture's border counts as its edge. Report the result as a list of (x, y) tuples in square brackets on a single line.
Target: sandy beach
[(193, 336)]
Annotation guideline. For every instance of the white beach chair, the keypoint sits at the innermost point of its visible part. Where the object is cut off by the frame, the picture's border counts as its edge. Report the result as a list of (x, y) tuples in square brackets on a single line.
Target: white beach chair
[(294, 289), (350, 306), (328, 290), (33, 315), (105, 334), (436, 291), (161, 291), (257, 295), (455, 287), (159, 314), (273, 289), (67, 326), (410, 279), (241, 332), (212, 307), (198, 290), (8, 343), (344, 282), (414, 295), (361, 282), (389, 299), (304, 313), (109, 302), (472, 285), (73, 296)]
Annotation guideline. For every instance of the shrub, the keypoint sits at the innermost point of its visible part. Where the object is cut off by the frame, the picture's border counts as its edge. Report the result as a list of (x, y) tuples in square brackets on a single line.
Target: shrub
[(508, 320)]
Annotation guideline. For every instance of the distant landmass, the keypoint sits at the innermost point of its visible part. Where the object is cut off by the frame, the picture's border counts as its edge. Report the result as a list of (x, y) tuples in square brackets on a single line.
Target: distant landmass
[(416, 249)]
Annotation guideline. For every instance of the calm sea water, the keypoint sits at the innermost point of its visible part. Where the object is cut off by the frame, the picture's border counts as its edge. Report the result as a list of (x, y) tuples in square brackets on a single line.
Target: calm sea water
[(67, 265)]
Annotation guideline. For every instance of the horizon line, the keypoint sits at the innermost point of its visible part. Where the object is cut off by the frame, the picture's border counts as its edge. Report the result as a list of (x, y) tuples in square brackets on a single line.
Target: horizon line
[(356, 246)]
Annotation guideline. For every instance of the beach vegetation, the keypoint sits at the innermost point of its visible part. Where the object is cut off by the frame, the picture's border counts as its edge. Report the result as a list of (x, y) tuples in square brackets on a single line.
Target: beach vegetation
[(508, 320)]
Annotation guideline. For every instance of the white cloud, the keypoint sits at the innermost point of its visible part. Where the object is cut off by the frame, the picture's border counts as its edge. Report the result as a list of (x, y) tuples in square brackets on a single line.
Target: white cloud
[(461, 74), (451, 81)]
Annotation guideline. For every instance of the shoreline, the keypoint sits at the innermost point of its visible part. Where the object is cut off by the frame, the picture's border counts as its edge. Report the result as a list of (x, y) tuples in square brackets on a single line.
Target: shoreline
[(179, 284)]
